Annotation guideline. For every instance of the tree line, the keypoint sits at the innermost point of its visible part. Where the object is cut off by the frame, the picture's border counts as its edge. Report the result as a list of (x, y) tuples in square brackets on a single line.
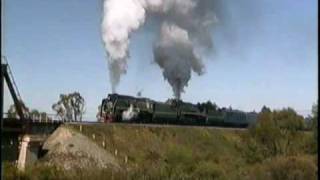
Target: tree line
[(69, 107), (277, 132)]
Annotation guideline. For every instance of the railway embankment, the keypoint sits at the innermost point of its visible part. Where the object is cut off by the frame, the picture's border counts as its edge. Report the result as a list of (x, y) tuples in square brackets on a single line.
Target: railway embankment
[(69, 149), (123, 151)]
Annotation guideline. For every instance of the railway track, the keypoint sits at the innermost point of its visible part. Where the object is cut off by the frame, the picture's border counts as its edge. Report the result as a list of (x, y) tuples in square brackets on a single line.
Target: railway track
[(158, 125)]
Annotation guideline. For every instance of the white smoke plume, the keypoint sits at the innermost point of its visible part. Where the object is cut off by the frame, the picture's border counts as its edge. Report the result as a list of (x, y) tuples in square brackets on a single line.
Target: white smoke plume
[(130, 113), (185, 28)]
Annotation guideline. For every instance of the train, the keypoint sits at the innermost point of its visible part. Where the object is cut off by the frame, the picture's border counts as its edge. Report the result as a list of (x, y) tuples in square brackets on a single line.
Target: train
[(123, 108)]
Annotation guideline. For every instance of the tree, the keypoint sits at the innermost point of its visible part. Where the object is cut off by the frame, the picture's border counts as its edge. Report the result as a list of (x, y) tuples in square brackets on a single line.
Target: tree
[(315, 126), (276, 130), (211, 106), (70, 107), (12, 112), (33, 113), (265, 109), (207, 106), (78, 104), (315, 116), (308, 122)]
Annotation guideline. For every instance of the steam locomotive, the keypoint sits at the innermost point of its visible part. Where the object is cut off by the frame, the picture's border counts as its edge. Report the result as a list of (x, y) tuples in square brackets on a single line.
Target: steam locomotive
[(122, 108)]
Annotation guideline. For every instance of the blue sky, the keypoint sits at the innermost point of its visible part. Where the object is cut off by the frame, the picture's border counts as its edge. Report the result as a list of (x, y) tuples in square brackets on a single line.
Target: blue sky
[(264, 54)]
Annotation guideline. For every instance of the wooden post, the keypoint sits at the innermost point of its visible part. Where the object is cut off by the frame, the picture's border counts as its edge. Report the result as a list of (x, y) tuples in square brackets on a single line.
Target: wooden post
[(111, 174), (104, 141), (126, 159)]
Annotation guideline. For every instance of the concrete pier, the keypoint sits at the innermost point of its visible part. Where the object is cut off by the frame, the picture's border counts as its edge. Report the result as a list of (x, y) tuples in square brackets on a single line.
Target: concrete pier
[(23, 153), (29, 150)]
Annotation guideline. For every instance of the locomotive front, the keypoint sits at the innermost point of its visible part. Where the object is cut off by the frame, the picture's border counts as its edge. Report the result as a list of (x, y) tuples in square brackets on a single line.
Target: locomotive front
[(107, 109)]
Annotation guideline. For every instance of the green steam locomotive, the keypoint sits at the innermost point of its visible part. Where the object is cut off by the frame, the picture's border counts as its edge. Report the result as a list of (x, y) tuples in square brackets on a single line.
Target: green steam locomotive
[(121, 108)]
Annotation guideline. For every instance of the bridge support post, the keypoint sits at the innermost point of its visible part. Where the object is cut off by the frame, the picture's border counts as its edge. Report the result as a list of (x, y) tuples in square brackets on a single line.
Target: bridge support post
[(23, 153)]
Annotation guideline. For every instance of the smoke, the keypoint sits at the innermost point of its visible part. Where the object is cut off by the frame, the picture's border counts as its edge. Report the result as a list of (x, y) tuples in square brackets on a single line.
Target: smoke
[(139, 93), (175, 54), (130, 113), (184, 34)]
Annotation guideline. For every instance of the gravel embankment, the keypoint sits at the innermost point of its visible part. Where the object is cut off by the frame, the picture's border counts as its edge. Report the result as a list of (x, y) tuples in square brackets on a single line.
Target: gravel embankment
[(69, 149)]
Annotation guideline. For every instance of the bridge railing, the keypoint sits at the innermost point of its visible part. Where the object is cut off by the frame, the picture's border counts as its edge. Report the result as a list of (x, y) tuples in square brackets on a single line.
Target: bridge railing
[(47, 118), (44, 118), (40, 118)]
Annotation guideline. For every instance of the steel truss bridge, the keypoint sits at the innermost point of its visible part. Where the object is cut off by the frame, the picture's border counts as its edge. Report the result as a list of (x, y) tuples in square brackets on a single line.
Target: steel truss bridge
[(15, 128)]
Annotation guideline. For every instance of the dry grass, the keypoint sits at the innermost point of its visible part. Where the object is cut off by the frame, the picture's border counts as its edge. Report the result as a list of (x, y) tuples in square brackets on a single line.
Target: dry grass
[(184, 153)]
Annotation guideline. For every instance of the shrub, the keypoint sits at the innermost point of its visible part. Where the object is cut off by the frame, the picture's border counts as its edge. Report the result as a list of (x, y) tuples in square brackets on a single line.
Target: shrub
[(252, 151), (285, 168), (277, 131), (179, 155), (209, 170), (10, 171)]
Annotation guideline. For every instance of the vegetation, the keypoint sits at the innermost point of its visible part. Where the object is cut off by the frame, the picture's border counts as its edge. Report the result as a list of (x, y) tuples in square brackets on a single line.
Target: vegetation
[(207, 105), (277, 132), (274, 148), (315, 128), (33, 113), (12, 112), (70, 107)]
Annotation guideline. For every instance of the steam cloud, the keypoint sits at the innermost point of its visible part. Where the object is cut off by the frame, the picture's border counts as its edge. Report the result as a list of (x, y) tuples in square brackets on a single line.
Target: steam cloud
[(130, 113), (174, 53), (185, 31)]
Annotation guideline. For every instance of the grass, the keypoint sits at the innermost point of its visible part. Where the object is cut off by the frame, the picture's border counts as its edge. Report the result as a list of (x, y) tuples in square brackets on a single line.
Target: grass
[(183, 153)]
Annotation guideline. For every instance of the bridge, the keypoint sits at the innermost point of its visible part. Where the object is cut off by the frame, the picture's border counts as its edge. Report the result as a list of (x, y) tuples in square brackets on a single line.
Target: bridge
[(21, 135)]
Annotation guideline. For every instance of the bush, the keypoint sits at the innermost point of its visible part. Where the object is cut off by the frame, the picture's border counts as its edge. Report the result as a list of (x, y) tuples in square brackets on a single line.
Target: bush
[(209, 170), (10, 171), (252, 151), (278, 131), (285, 168), (179, 159)]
